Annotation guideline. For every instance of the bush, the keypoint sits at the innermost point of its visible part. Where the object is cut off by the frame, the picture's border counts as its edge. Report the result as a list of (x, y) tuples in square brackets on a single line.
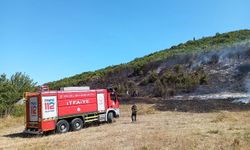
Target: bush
[(18, 111), (132, 88), (170, 92), (151, 78), (159, 90)]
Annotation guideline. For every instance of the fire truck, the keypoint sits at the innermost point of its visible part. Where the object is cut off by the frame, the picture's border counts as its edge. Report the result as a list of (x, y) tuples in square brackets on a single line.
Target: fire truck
[(69, 109)]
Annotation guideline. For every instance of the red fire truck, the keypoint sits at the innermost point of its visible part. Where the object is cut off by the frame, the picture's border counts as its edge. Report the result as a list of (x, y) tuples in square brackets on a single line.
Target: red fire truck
[(69, 109)]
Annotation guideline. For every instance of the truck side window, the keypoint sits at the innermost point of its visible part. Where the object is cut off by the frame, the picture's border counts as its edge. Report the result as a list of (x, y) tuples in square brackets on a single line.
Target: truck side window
[(113, 97)]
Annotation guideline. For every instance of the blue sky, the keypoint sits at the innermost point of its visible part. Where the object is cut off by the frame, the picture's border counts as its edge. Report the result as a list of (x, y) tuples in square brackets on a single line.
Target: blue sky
[(53, 39)]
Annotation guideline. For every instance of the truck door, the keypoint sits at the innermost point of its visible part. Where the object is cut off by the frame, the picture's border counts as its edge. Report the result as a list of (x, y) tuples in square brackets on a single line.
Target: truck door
[(33, 109), (114, 100)]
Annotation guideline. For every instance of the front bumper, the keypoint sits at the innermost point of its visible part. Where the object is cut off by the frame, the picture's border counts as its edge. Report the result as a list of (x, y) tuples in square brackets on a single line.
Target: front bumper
[(117, 112)]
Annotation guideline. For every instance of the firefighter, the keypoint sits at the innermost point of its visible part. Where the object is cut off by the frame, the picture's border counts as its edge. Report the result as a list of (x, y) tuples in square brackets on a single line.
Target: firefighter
[(134, 111)]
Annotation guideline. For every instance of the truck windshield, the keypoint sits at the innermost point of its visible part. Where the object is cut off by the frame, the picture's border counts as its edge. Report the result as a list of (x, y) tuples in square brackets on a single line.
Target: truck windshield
[(113, 97)]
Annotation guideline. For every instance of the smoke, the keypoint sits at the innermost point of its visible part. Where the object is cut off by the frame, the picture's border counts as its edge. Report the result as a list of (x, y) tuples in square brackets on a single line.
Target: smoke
[(247, 85), (245, 100), (230, 56), (225, 56)]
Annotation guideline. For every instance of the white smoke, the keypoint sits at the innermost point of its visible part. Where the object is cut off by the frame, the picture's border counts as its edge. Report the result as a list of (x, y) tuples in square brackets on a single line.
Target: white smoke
[(242, 100), (247, 85), (225, 56), (245, 100), (213, 96)]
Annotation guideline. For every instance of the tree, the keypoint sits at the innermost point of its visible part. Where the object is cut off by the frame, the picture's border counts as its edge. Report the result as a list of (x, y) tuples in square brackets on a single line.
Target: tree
[(217, 34), (8, 97), (22, 83), (11, 90), (159, 90), (132, 88)]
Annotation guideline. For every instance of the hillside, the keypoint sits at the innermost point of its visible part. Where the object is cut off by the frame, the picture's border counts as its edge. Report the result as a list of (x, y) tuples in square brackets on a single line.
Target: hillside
[(207, 65)]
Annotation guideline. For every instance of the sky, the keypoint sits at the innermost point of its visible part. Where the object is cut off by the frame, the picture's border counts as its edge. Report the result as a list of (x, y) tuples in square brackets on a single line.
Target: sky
[(53, 39)]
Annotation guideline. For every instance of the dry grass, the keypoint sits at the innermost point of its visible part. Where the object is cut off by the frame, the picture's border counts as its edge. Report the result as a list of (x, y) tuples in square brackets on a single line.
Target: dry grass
[(142, 109), (225, 116), (153, 130), (11, 121)]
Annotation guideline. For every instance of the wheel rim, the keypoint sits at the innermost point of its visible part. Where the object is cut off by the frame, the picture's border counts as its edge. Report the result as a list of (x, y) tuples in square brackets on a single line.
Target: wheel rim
[(77, 125), (63, 128)]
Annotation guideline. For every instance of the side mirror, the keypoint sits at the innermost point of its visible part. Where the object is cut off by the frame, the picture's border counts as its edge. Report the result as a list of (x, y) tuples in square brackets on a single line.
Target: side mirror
[(110, 89)]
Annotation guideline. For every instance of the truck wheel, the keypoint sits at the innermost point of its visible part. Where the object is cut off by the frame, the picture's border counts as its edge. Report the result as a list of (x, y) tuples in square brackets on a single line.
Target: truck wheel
[(62, 126), (76, 124), (110, 117)]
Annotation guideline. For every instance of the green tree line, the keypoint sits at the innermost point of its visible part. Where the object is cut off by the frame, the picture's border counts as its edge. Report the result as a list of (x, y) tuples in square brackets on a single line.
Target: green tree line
[(12, 90)]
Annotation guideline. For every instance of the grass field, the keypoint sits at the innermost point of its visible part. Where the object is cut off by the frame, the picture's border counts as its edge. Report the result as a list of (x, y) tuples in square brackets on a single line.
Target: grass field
[(153, 130)]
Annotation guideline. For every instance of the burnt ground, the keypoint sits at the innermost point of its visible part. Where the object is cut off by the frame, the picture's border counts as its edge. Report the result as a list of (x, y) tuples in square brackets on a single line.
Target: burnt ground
[(198, 106)]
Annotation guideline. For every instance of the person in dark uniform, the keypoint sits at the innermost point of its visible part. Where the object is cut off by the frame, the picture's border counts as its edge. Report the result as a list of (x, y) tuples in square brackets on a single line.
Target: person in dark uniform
[(134, 111)]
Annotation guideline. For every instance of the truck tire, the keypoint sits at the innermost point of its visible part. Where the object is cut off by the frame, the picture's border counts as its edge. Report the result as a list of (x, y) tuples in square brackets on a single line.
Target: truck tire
[(76, 124), (110, 117), (62, 126)]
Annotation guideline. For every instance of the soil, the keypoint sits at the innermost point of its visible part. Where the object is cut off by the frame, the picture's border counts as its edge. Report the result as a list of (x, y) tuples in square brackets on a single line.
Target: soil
[(199, 106)]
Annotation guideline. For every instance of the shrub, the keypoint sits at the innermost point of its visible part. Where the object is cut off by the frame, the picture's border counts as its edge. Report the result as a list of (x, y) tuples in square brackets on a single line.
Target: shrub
[(213, 131), (170, 92), (159, 89), (151, 78), (18, 110)]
